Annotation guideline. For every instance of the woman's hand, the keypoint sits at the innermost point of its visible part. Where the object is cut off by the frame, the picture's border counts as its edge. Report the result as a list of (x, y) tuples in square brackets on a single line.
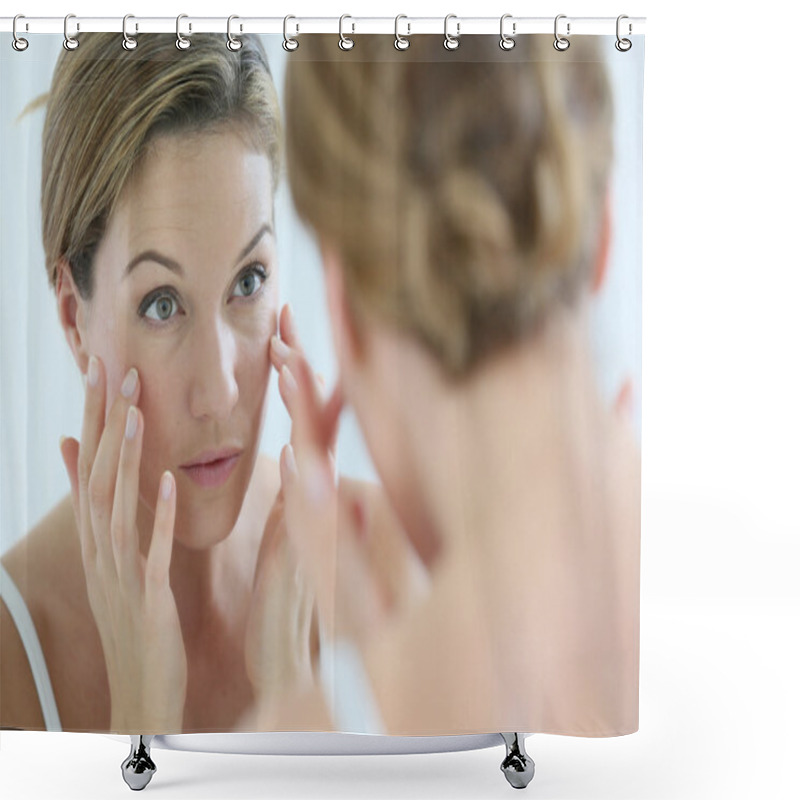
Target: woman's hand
[(130, 595), (281, 628), (311, 530), (328, 535)]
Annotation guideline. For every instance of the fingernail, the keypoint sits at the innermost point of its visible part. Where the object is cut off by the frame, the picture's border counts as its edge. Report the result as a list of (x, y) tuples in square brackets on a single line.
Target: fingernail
[(281, 348), (131, 423), (290, 315), (129, 384), (61, 442), (166, 485), (291, 383), (93, 371)]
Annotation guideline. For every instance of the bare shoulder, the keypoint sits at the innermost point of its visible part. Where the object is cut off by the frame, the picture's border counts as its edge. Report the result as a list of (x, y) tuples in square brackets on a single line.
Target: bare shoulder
[(35, 564)]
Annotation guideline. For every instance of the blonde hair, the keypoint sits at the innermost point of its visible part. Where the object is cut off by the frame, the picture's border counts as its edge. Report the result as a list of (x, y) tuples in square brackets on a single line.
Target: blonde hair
[(107, 104), (463, 189)]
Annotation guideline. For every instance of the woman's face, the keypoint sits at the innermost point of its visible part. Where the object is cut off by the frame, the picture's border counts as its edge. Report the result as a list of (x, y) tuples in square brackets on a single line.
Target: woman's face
[(186, 291)]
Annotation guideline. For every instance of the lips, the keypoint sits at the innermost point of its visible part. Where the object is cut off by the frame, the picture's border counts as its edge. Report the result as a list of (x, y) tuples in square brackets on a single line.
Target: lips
[(212, 467)]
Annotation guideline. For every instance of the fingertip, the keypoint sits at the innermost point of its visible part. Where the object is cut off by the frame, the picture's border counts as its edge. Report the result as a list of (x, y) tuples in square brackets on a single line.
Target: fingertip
[(285, 325), (167, 488), (288, 464), (65, 446)]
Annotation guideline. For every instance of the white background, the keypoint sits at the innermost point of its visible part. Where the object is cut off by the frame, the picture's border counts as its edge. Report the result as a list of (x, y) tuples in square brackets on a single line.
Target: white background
[(720, 436)]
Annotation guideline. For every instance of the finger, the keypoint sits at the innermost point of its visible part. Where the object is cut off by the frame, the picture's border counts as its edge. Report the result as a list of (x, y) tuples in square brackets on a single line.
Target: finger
[(287, 387), (274, 533), (331, 416), (302, 628), (69, 448), (318, 420), (288, 329), (160, 554), (91, 431), (279, 352), (311, 514), (124, 533), (103, 476)]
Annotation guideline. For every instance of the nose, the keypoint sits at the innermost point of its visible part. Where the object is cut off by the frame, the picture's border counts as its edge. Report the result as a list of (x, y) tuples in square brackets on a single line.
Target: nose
[(214, 390)]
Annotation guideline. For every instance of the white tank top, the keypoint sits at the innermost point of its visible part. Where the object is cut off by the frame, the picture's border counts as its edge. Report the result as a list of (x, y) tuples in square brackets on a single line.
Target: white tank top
[(33, 649)]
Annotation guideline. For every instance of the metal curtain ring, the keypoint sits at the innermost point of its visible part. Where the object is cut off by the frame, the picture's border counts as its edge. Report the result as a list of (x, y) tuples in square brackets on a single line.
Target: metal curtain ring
[(128, 42), (344, 42), (18, 43), (181, 42), (561, 43), (289, 42), (233, 44), (400, 42), (623, 45), (506, 42), (451, 42), (70, 43)]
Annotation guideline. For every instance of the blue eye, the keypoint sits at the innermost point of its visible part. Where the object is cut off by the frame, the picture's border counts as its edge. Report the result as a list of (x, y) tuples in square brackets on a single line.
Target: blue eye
[(162, 303), (247, 280)]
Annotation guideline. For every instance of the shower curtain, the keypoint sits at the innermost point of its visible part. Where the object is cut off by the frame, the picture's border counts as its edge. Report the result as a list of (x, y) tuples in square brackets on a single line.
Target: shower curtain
[(424, 211)]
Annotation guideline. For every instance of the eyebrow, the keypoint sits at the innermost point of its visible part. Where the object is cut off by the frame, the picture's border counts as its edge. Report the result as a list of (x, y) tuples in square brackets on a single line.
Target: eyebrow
[(174, 266)]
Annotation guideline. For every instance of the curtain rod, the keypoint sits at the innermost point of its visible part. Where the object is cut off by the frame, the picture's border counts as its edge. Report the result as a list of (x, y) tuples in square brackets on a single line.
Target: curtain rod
[(567, 26)]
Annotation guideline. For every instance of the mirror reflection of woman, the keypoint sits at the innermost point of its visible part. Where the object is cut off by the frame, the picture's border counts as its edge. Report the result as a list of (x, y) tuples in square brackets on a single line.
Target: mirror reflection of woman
[(462, 213), (162, 589)]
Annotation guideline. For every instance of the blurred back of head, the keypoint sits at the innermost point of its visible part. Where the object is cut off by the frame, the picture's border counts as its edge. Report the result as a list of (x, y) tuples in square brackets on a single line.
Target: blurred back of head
[(463, 189)]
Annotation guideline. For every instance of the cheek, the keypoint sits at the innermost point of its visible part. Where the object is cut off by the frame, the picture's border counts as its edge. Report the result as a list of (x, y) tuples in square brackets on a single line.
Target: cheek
[(157, 402), (116, 369)]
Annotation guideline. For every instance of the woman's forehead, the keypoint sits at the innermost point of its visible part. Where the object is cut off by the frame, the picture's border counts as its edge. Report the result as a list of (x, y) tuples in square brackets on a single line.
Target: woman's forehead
[(209, 172), (203, 190)]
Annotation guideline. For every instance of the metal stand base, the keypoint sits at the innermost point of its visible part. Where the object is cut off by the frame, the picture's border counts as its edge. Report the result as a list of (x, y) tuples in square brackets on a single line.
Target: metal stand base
[(517, 766), (138, 768)]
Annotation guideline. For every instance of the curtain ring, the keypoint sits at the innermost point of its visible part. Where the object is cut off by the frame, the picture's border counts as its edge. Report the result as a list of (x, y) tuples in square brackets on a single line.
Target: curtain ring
[(561, 43), (290, 44), (401, 42), (623, 45), (18, 43), (345, 43), (233, 44), (128, 42), (506, 41), (70, 43), (451, 42), (182, 43)]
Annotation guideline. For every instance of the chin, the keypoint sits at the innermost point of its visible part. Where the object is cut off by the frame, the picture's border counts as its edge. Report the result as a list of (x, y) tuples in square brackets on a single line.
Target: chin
[(197, 529), (201, 523)]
